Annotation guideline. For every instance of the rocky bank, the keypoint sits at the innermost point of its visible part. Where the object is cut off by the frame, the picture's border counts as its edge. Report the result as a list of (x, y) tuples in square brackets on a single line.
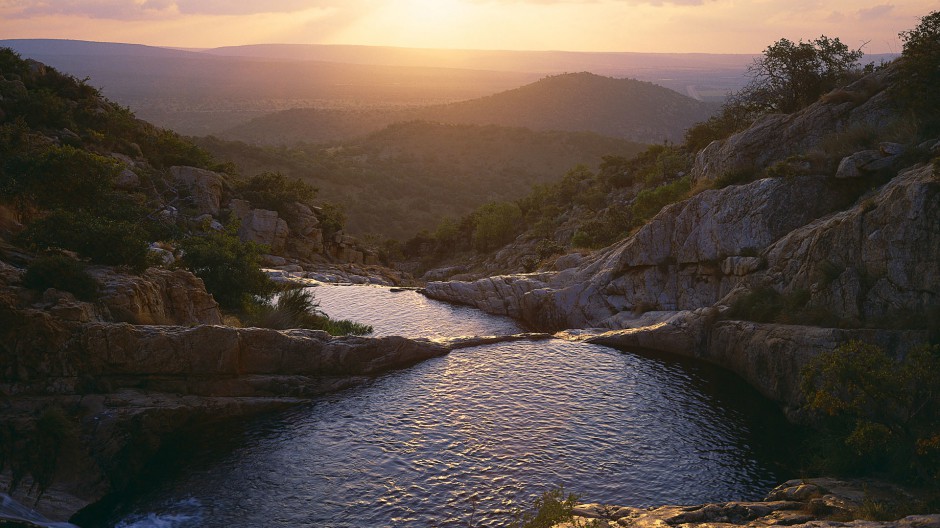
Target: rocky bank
[(855, 252), (809, 503), (149, 359)]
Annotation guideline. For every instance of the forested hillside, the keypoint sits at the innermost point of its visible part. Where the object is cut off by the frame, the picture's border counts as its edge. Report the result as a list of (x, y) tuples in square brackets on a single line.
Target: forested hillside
[(407, 176)]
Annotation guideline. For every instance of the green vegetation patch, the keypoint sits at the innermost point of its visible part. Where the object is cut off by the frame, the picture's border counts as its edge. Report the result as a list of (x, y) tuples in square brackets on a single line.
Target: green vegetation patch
[(62, 273), (881, 413)]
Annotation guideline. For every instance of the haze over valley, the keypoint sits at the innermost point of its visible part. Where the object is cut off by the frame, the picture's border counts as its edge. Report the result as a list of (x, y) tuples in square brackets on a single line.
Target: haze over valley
[(469, 263)]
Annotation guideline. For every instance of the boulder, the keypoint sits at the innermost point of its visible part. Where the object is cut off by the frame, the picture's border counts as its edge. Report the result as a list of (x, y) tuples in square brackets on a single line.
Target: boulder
[(873, 261), (803, 503), (127, 180), (158, 296), (264, 227), (302, 220), (204, 188), (864, 163)]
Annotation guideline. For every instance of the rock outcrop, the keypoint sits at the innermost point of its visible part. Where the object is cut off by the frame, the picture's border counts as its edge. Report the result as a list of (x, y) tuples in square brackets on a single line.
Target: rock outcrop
[(810, 503), (157, 296), (776, 137), (204, 188)]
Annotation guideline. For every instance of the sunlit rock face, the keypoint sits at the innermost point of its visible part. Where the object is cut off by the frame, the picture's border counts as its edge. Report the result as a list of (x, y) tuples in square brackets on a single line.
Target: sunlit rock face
[(804, 503), (158, 296), (776, 137), (204, 188)]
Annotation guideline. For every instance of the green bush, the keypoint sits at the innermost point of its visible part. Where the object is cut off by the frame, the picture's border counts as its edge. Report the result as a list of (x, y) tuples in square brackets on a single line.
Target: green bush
[(297, 308), (60, 177), (497, 224), (883, 411), (553, 507), (920, 75), (275, 192), (103, 240), (230, 268), (62, 273), (650, 201)]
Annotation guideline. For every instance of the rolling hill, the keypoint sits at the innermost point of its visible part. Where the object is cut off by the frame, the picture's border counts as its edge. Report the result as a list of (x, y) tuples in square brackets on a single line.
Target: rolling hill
[(197, 93), (624, 108), (407, 176)]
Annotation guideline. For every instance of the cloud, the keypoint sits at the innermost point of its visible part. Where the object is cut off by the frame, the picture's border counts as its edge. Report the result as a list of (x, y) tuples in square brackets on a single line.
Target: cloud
[(875, 13), (150, 9)]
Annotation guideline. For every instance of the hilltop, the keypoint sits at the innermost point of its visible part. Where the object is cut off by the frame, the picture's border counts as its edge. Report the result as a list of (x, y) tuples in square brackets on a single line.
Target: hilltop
[(578, 102), (198, 93)]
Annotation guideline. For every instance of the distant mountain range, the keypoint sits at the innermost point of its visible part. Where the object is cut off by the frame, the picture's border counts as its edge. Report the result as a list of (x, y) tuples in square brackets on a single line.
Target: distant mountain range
[(622, 108)]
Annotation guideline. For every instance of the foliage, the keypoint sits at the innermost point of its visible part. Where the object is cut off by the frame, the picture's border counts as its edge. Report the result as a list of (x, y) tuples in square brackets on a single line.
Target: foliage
[(791, 75), (62, 273), (230, 268), (651, 201), (552, 508), (401, 180), (275, 192), (920, 75), (787, 77), (104, 240), (332, 219), (297, 308), (38, 451), (496, 224), (884, 410), (60, 177)]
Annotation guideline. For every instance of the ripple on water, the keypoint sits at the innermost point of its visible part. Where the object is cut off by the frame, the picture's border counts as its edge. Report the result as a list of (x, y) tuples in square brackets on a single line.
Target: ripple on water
[(485, 428)]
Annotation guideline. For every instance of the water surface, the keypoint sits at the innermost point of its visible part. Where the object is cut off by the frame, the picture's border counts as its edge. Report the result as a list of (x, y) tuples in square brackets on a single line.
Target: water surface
[(473, 435)]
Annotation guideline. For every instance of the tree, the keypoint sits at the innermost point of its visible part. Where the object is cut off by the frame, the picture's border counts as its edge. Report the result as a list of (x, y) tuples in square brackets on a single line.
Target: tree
[(920, 70), (885, 409), (790, 75), (497, 224), (229, 267)]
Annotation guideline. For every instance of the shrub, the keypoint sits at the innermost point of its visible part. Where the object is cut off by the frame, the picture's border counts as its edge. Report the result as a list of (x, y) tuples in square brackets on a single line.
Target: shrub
[(552, 508), (60, 177), (297, 308), (230, 268), (103, 240), (884, 411), (275, 192), (650, 201), (919, 73), (62, 273), (497, 224), (735, 177)]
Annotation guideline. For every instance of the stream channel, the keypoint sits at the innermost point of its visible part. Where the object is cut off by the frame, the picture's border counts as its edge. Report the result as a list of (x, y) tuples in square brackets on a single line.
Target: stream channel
[(469, 438)]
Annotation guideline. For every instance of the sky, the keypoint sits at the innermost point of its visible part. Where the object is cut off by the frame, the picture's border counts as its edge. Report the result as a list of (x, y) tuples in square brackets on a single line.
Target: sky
[(707, 26)]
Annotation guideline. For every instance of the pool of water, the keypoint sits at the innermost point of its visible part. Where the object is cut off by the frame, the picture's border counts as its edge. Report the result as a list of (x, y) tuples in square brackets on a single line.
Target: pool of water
[(472, 437)]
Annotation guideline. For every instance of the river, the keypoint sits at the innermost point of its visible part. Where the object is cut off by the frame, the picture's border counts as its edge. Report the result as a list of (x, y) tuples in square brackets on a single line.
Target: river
[(469, 438)]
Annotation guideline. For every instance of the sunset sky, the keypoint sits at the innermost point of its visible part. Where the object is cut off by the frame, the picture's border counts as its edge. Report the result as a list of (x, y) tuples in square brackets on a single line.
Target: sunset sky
[(716, 26)]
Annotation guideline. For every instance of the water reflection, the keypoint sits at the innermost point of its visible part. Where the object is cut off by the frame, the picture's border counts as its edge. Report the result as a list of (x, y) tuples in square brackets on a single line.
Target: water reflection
[(486, 428)]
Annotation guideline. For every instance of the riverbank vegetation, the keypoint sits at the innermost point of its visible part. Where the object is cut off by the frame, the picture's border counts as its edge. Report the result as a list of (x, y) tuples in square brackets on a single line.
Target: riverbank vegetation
[(298, 308), (879, 414)]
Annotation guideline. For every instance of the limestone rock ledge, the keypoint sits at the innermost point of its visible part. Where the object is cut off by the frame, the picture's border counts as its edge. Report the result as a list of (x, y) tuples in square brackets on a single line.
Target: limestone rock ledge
[(812, 503), (127, 387)]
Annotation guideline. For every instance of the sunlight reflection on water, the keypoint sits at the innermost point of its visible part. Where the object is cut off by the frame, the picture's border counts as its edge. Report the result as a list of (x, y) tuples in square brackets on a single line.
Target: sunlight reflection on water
[(488, 428)]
